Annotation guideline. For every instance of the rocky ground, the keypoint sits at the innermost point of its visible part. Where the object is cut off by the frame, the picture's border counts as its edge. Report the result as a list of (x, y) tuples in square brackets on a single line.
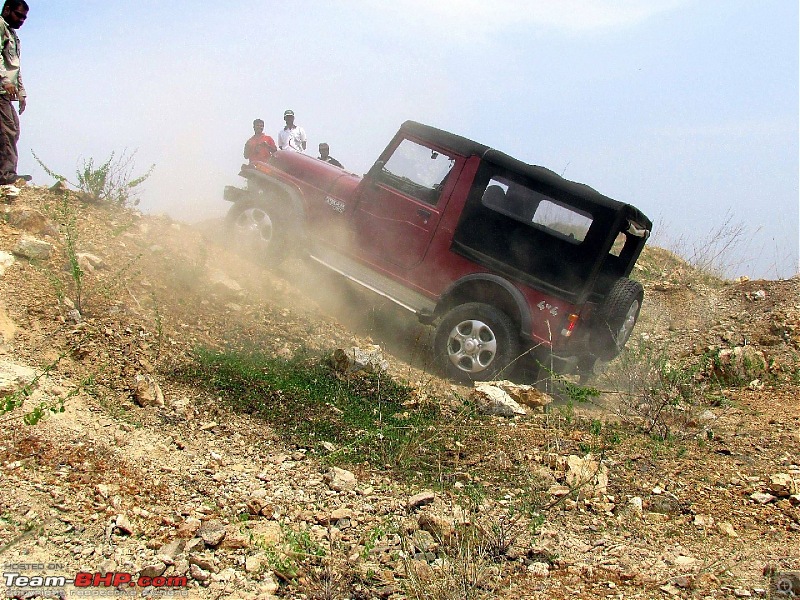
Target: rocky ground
[(679, 480)]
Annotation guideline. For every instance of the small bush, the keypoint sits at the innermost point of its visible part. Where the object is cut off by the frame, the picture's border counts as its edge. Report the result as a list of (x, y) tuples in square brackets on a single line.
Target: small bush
[(711, 257), (110, 182), (466, 573), (68, 218), (473, 561), (654, 393)]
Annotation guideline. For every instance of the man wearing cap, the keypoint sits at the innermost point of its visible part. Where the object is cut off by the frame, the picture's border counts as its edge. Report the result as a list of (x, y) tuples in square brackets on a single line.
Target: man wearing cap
[(261, 146), (291, 137)]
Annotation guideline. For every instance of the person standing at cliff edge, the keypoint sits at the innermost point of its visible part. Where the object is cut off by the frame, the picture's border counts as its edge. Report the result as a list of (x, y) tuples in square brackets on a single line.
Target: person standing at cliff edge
[(11, 90)]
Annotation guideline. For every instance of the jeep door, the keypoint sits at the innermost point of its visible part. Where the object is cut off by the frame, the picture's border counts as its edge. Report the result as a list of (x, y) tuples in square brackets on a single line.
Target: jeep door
[(401, 202)]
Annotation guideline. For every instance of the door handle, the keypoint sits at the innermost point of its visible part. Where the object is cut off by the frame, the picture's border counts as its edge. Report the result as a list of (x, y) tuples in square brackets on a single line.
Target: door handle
[(425, 214)]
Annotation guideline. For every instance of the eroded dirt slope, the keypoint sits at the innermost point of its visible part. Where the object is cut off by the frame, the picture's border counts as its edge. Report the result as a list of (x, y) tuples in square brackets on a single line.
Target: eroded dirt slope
[(110, 485)]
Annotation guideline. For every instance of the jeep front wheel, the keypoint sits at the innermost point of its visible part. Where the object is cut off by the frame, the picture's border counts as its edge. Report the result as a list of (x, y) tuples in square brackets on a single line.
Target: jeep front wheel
[(475, 342), (618, 316), (259, 228)]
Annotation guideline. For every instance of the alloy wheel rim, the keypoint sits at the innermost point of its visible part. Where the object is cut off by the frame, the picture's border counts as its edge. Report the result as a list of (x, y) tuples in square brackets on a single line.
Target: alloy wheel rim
[(472, 346)]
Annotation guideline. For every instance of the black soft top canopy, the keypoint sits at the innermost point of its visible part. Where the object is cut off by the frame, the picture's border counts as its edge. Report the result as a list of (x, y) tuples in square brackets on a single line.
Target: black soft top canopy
[(542, 177)]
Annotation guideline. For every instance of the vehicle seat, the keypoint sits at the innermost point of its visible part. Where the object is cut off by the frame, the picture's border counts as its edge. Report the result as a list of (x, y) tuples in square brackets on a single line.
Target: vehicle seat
[(520, 204), (495, 197)]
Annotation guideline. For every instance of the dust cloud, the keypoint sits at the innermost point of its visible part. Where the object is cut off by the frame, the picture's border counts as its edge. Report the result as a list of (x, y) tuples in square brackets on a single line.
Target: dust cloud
[(364, 314)]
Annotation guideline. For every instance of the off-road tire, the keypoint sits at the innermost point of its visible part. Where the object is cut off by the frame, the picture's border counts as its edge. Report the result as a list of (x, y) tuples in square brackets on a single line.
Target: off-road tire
[(617, 318), (261, 229), (475, 342)]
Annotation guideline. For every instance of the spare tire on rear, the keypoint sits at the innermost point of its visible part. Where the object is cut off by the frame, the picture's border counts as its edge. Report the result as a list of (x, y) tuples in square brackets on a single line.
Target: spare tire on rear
[(617, 317)]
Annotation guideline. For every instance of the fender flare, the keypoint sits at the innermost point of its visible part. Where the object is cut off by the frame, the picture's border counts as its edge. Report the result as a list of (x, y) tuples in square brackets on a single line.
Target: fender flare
[(523, 310), (294, 194)]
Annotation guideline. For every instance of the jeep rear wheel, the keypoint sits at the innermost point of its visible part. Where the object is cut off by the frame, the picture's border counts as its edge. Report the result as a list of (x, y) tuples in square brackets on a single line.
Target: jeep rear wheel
[(475, 342), (618, 316), (260, 229)]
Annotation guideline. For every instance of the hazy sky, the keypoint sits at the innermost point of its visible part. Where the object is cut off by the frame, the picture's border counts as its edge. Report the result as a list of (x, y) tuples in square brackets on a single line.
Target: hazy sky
[(687, 109)]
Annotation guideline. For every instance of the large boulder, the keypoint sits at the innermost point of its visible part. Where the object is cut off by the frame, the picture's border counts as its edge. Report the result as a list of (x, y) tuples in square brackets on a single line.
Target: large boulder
[(524, 394), (33, 248), (32, 221), (359, 359), (742, 363), (492, 400)]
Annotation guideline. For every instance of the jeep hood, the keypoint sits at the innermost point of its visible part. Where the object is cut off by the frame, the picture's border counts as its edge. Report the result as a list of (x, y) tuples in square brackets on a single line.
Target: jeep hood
[(311, 171)]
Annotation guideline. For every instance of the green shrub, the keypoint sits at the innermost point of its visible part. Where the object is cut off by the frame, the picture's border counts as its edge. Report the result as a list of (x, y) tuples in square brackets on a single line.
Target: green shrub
[(110, 182), (654, 392)]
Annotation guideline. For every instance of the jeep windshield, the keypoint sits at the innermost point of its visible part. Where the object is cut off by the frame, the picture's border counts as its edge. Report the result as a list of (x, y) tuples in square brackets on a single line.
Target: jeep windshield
[(416, 170)]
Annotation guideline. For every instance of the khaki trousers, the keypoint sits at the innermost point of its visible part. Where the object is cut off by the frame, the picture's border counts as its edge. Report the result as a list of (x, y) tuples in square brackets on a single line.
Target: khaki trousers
[(9, 136)]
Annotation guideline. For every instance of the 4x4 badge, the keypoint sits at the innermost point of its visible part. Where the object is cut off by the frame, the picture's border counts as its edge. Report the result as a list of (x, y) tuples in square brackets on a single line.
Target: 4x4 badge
[(553, 310)]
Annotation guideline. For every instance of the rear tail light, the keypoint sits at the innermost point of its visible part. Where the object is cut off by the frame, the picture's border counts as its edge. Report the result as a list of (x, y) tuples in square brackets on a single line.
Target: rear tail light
[(572, 320)]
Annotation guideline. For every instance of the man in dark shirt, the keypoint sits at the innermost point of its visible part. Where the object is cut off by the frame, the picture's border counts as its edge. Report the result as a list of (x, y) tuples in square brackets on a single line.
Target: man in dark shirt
[(324, 154), (261, 146)]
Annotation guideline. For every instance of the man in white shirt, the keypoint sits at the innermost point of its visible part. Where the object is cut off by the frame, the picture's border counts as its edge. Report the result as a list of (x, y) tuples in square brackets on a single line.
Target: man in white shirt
[(292, 137)]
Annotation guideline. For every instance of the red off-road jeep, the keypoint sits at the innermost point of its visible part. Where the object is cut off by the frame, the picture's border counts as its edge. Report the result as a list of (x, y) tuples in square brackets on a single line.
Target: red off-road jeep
[(508, 260)]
